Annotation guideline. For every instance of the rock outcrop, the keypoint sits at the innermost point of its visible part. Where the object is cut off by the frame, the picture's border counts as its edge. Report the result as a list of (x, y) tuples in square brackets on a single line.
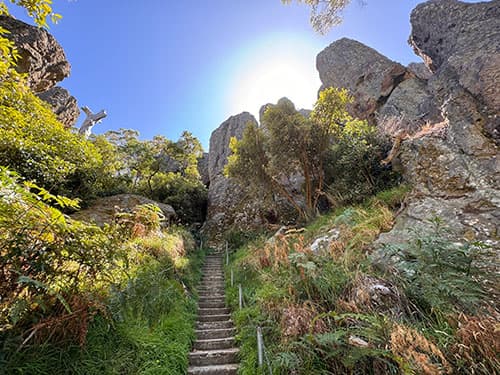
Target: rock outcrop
[(447, 115), (225, 196), (203, 169), (369, 76), (41, 56), (102, 210), (420, 70), (381, 88), (460, 41), (63, 105), (454, 166)]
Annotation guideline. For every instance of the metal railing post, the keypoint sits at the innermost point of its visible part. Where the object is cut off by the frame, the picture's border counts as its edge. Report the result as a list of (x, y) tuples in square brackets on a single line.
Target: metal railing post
[(227, 253), (260, 353), (240, 293), (232, 278)]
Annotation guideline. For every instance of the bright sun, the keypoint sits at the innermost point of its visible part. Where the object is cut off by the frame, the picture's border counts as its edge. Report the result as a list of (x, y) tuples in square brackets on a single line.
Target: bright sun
[(277, 67)]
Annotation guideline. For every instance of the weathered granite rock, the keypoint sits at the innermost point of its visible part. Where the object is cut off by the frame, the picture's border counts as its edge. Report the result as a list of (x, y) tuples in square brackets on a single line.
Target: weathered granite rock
[(41, 56), (103, 210), (454, 166), (462, 39), (370, 76), (412, 104), (63, 105), (226, 208), (203, 169), (420, 70), (219, 141)]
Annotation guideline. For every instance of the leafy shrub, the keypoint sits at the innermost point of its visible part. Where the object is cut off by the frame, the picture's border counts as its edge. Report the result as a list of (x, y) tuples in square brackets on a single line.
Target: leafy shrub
[(46, 257), (34, 144), (440, 275), (353, 169)]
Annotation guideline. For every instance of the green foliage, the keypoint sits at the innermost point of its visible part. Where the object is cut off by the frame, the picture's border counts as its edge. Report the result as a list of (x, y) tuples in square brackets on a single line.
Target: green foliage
[(39, 10), (45, 254), (324, 13), (146, 325), (347, 184), (160, 169), (439, 275), (320, 314), (35, 144), (338, 156)]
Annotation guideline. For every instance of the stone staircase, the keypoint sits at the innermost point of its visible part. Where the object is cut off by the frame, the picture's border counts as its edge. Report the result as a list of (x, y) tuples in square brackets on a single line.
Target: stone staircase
[(214, 351)]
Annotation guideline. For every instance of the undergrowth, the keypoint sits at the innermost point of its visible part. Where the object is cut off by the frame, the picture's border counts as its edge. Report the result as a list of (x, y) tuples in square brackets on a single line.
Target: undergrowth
[(80, 299), (324, 307), (148, 328)]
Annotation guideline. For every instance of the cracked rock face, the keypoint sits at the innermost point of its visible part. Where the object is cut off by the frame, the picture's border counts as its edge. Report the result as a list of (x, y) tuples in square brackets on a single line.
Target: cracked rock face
[(63, 105), (460, 41), (447, 112), (456, 172), (203, 169), (369, 76), (225, 196), (42, 58)]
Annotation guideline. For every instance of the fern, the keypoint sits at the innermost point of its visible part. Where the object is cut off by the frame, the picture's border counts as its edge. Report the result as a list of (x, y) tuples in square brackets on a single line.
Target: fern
[(440, 275)]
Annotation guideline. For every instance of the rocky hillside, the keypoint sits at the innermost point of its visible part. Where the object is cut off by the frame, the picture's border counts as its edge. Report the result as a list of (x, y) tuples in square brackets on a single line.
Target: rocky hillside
[(442, 115), (44, 61)]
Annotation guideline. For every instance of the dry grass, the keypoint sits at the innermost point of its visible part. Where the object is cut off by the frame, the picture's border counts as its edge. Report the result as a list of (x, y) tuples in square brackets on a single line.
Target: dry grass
[(298, 320), (64, 326), (423, 356), (478, 343), (368, 294)]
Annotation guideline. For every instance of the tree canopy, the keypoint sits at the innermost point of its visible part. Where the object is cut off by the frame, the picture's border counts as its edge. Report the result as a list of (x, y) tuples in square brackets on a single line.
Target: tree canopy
[(324, 13), (328, 150)]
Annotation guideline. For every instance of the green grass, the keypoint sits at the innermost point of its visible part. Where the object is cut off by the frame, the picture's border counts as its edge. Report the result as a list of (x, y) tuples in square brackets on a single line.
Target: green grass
[(149, 331), (323, 288)]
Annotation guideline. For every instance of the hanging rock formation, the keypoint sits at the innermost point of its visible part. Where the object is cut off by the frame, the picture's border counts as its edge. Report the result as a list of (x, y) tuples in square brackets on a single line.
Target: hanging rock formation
[(225, 196), (452, 162), (63, 105), (369, 76), (43, 59), (41, 55), (380, 86)]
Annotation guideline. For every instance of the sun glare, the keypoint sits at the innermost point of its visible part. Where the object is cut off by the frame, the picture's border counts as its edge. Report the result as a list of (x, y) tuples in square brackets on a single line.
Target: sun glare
[(277, 67)]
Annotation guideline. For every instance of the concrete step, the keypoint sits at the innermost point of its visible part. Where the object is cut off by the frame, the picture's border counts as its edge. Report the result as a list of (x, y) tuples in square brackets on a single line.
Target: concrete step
[(208, 334), (231, 369), (210, 304), (211, 278), (213, 311), (213, 290), (213, 357), (215, 325), (211, 294), (211, 300), (214, 318), (213, 344)]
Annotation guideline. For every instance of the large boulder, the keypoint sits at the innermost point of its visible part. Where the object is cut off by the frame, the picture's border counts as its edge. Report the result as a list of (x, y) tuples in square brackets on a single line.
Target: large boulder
[(454, 165), (226, 207), (63, 104), (103, 210), (368, 75), (41, 56)]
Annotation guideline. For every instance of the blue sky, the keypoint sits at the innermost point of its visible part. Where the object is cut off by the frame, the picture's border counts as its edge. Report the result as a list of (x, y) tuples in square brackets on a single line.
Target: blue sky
[(162, 66)]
